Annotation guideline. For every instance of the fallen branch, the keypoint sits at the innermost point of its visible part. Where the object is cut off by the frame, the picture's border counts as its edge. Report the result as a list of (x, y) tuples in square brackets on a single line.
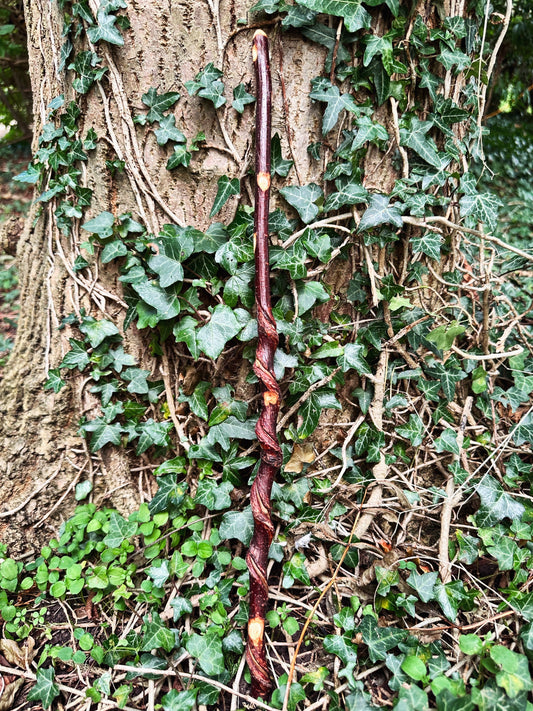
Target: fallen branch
[(271, 456)]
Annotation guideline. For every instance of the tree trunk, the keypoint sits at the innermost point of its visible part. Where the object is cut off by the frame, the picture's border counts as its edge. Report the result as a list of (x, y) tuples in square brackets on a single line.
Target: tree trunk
[(41, 455)]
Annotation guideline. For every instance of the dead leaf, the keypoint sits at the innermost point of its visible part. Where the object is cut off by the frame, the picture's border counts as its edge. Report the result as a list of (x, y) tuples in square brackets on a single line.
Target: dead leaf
[(19, 657), (302, 453), (8, 695)]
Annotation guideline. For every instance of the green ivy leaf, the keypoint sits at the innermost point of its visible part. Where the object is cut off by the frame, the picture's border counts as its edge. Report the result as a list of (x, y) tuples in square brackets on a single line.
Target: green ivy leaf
[(174, 245), (167, 131), (106, 390), (352, 357), (101, 225), (113, 250), (45, 689), (237, 524), (197, 401), (367, 131), (31, 175), (226, 188), (423, 584), (97, 331), (222, 327), (153, 433), (85, 66), (207, 649), (295, 569), (207, 84), (343, 647), (413, 430), (496, 504), (492, 698), (170, 493), (448, 376), (450, 597), (156, 635), (105, 29), (429, 244), (483, 207), (181, 156), (447, 442), (278, 165), (349, 10), (185, 332), (379, 639), (77, 357), (214, 495), (103, 433), (119, 530), (179, 700), (137, 380), (241, 97), (303, 199), (166, 304), (293, 259), (323, 90), (348, 193), (229, 430), (414, 136), (414, 667), (380, 212), (54, 382), (158, 103), (159, 573)]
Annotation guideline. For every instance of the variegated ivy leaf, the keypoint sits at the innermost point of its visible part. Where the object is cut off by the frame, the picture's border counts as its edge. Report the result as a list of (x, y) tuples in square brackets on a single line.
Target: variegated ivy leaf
[(323, 90), (158, 103), (483, 207), (207, 84), (222, 327), (167, 131), (105, 29), (352, 11), (348, 193), (380, 212), (414, 136), (429, 244), (303, 199)]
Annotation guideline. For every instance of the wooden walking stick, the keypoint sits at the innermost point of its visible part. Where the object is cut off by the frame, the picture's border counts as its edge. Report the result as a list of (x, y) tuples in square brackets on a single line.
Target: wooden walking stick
[(271, 456)]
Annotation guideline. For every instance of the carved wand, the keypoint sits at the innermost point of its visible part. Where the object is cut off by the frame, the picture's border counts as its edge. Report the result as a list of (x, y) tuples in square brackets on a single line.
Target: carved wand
[(271, 456)]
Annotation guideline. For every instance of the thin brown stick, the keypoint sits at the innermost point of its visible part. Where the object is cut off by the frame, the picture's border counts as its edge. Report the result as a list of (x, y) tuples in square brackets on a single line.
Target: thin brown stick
[(271, 456)]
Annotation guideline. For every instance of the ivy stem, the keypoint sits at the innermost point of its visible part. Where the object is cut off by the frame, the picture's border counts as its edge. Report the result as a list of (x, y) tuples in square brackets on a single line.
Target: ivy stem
[(271, 457)]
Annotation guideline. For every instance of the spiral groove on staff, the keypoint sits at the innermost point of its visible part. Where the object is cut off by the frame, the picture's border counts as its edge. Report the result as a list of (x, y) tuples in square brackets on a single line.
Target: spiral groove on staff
[(271, 456)]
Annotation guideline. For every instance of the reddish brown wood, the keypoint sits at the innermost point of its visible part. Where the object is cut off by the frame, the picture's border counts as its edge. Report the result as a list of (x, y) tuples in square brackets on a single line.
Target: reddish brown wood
[(271, 457)]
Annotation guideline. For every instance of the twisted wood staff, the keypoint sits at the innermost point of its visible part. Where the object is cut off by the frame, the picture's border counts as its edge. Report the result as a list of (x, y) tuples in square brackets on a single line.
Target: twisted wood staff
[(271, 457)]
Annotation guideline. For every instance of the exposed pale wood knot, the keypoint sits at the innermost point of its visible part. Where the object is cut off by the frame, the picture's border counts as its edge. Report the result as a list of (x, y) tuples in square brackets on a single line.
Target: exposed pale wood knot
[(256, 628), (263, 181), (270, 397)]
